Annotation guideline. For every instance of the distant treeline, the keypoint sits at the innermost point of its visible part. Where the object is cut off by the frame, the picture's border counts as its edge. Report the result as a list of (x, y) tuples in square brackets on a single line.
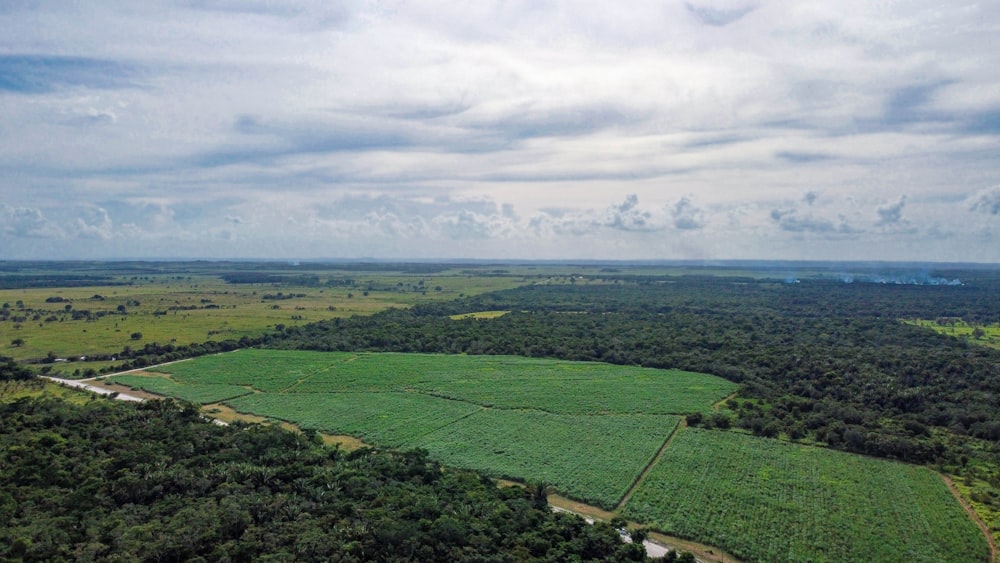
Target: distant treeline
[(818, 360), (33, 281)]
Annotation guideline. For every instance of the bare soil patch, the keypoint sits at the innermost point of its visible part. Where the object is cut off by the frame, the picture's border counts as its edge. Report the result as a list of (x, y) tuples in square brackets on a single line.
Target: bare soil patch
[(228, 414)]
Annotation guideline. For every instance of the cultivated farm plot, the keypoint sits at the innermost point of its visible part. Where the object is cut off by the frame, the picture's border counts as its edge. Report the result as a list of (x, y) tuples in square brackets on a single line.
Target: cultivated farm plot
[(588, 429), (202, 393), (506, 382), (591, 458), (386, 419), (766, 500), (268, 371)]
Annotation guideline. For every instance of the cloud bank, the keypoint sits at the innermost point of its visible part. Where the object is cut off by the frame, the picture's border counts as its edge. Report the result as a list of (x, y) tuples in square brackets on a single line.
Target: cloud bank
[(703, 129)]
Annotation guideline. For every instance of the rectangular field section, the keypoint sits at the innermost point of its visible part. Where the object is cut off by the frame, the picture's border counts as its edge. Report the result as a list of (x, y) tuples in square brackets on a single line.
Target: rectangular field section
[(202, 393), (493, 381), (766, 500), (383, 419), (594, 459)]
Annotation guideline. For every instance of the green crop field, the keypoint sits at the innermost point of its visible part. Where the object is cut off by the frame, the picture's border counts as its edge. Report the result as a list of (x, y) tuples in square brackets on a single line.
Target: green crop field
[(591, 458), (766, 500), (495, 381), (589, 429), (385, 419), (203, 393)]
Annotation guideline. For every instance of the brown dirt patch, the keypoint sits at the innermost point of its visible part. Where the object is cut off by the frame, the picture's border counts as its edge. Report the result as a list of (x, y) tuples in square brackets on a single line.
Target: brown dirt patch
[(228, 414), (702, 552), (126, 390)]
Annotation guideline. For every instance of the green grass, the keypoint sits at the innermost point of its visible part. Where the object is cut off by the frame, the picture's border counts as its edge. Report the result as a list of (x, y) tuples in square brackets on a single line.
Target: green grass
[(479, 315), (33, 388), (766, 500), (990, 334), (201, 307)]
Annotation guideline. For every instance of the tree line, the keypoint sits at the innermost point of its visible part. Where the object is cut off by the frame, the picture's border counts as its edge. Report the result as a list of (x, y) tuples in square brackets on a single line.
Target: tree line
[(156, 482), (823, 361)]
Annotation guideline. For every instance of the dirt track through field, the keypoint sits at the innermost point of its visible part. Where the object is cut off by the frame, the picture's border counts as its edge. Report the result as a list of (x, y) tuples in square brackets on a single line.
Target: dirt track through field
[(972, 514), (649, 467)]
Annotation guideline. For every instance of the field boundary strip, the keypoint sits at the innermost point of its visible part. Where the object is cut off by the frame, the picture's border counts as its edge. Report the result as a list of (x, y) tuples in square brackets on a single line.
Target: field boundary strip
[(721, 402), (972, 514), (305, 378), (443, 426), (682, 423)]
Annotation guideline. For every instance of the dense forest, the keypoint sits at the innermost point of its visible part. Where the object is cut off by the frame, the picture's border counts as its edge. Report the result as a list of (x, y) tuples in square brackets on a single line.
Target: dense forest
[(156, 482), (818, 360)]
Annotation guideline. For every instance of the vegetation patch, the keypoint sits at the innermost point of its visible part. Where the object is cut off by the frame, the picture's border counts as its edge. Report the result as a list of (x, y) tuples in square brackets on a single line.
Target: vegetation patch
[(201, 393), (591, 458), (478, 315), (589, 429), (510, 382), (974, 333), (766, 500)]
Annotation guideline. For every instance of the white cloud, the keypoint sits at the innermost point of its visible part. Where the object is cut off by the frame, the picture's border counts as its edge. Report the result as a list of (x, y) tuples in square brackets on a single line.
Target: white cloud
[(508, 127)]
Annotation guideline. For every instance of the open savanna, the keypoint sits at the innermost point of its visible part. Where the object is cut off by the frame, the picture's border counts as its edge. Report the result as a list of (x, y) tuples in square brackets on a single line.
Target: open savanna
[(984, 335), (768, 500), (189, 308), (588, 429)]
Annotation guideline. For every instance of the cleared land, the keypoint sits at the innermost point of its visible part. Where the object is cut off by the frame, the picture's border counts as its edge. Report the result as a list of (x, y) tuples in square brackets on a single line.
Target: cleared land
[(507, 382), (766, 500), (588, 429), (984, 335), (70, 322)]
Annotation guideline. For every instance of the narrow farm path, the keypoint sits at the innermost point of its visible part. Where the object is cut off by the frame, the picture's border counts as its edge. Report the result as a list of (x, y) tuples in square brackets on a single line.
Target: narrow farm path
[(649, 466), (305, 378), (718, 404), (972, 514)]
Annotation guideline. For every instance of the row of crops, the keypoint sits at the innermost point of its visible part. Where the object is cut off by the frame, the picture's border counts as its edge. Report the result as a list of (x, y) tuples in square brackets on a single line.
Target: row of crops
[(589, 430), (767, 500), (495, 381)]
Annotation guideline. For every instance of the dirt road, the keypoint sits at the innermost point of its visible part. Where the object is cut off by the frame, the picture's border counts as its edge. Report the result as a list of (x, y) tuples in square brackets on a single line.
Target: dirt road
[(83, 384)]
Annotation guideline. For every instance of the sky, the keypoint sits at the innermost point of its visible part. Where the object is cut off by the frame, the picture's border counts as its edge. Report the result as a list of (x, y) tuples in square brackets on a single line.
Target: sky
[(695, 130)]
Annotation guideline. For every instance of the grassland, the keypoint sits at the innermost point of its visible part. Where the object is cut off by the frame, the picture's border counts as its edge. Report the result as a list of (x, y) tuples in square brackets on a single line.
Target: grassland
[(74, 322), (983, 335), (479, 315), (766, 500)]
